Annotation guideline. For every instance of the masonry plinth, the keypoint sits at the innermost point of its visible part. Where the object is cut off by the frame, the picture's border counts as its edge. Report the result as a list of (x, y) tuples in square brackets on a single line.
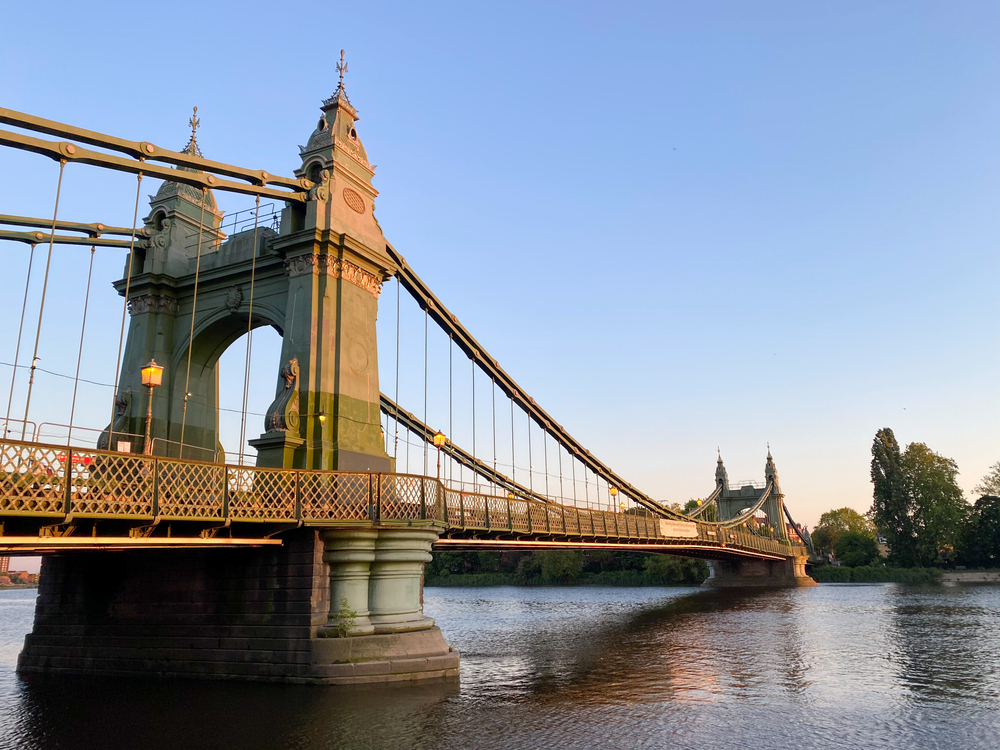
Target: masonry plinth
[(271, 614), (788, 573)]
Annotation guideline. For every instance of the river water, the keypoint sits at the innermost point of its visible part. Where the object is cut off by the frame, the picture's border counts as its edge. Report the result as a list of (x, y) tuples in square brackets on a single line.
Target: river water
[(837, 666)]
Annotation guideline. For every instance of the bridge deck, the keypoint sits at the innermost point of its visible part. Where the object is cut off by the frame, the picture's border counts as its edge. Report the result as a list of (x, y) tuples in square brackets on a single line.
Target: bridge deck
[(54, 498)]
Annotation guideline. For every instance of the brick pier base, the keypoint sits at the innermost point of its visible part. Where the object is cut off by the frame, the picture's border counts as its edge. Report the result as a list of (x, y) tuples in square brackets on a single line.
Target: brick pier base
[(788, 573), (246, 614)]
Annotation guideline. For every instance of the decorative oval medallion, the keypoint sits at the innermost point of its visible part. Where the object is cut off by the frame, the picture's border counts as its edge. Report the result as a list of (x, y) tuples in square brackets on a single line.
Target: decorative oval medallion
[(359, 357), (354, 201)]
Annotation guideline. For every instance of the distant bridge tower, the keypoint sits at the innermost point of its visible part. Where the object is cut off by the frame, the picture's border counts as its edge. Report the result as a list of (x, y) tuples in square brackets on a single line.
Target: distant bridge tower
[(733, 501), (317, 281)]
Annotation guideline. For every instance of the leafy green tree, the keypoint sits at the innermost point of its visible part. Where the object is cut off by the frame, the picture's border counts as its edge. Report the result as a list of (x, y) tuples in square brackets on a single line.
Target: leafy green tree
[(856, 548), (891, 507), (561, 565), (990, 484), (835, 523), (939, 509), (917, 503), (528, 567), (979, 543)]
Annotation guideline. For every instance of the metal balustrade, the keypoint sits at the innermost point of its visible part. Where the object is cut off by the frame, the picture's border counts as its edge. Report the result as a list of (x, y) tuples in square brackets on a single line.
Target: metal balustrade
[(56, 482)]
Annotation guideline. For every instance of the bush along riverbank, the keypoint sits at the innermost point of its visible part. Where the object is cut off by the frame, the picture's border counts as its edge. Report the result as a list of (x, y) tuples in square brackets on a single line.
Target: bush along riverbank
[(872, 574), (562, 568)]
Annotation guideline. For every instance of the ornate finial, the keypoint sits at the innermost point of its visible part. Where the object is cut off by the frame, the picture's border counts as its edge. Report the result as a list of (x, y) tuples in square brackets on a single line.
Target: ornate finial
[(192, 144), (339, 94), (341, 68)]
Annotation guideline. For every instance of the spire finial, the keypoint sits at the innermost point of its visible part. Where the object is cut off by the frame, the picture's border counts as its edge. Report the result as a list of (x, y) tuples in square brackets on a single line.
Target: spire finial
[(340, 95), (194, 122), (192, 144), (341, 68)]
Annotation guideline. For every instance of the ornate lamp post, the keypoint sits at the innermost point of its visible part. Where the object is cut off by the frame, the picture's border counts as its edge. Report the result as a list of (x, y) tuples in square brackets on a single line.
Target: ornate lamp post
[(614, 493), (152, 376), (440, 441)]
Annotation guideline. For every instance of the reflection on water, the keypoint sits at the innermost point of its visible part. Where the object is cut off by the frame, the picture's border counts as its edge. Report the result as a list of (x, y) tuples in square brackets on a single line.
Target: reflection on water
[(879, 666)]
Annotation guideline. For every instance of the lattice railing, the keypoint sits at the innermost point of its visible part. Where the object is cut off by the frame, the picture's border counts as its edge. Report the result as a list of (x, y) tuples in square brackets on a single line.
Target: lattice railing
[(53, 481)]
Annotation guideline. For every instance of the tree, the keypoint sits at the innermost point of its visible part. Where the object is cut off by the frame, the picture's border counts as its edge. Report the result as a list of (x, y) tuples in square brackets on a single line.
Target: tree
[(560, 566), (834, 523), (856, 548), (917, 503), (990, 484), (979, 543), (938, 507), (890, 510)]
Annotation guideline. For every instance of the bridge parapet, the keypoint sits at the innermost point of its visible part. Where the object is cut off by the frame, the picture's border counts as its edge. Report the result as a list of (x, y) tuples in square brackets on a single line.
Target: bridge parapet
[(52, 496)]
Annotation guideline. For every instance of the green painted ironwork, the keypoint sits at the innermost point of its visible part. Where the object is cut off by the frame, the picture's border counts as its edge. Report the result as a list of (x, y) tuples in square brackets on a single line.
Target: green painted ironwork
[(59, 485)]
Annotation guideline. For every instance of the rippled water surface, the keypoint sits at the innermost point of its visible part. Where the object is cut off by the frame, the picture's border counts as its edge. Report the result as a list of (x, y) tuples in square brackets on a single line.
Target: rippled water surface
[(837, 666)]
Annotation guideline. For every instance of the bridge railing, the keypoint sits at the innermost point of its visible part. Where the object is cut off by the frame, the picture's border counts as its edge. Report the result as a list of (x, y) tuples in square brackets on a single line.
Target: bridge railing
[(58, 482)]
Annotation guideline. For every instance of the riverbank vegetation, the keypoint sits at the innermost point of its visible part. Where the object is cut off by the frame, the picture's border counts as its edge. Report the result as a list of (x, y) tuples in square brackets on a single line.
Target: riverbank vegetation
[(561, 567), (919, 521)]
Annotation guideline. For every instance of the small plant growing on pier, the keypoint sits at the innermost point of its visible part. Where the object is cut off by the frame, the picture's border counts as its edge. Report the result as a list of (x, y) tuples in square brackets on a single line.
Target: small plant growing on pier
[(345, 617)]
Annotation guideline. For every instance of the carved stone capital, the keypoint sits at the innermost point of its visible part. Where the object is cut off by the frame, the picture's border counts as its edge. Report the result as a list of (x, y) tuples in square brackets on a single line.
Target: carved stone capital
[(153, 303), (327, 265)]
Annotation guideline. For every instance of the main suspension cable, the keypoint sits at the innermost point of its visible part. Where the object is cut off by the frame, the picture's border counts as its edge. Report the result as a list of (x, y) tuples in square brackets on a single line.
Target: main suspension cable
[(121, 333), (20, 329), (79, 355), (246, 368), (41, 307)]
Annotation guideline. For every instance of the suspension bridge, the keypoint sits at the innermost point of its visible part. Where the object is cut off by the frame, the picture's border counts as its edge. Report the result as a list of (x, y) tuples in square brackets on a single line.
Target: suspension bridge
[(297, 555)]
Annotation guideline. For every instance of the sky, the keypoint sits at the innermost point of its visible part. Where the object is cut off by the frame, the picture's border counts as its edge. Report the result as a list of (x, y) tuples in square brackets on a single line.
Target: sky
[(679, 226)]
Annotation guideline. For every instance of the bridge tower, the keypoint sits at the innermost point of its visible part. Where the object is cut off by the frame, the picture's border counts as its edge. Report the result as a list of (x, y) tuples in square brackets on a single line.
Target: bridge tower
[(732, 501), (341, 604), (317, 281)]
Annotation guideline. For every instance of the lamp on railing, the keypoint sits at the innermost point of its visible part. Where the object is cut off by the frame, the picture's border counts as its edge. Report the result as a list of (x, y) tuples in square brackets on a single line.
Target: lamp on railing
[(152, 377), (613, 491), (440, 441)]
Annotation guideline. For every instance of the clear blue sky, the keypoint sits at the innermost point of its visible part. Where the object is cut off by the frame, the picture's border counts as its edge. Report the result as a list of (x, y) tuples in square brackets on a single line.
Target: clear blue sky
[(678, 225)]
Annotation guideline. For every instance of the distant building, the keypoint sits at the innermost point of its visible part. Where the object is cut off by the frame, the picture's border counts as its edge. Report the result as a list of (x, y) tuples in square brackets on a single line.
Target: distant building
[(4, 564)]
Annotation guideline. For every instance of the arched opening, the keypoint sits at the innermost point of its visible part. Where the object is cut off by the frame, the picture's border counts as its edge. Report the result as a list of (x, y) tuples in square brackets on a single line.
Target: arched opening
[(209, 427), (265, 356)]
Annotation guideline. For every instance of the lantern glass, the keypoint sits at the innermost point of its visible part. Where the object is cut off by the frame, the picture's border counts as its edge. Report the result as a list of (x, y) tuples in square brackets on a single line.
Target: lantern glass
[(439, 439), (152, 374)]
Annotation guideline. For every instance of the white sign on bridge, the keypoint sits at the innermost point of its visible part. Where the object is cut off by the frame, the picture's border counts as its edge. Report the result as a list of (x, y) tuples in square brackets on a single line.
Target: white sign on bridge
[(679, 529)]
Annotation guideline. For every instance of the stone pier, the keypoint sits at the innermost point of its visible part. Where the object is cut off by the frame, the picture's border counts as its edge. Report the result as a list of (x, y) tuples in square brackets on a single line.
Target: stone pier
[(338, 606), (787, 573)]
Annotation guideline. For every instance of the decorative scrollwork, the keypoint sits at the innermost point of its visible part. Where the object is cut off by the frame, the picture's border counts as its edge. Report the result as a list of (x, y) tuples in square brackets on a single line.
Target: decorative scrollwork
[(300, 265), (153, 303), (234, 298), (283, 414)]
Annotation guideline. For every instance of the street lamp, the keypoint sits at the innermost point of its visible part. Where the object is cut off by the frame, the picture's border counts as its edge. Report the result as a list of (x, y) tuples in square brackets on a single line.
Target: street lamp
[(440, 441), (613, 491), (152, 376)]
